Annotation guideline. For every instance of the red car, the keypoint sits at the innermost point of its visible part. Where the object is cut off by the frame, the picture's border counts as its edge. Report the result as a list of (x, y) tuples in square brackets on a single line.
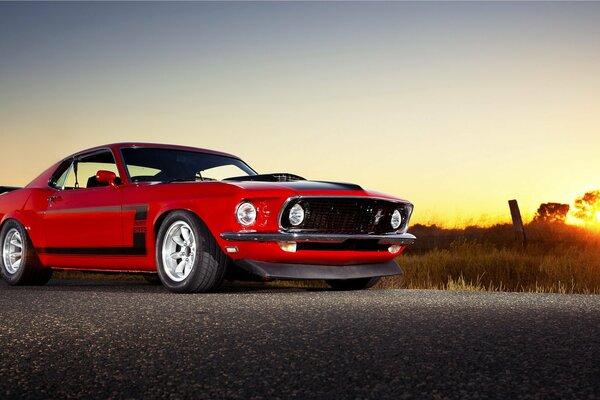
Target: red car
[(196, 217)]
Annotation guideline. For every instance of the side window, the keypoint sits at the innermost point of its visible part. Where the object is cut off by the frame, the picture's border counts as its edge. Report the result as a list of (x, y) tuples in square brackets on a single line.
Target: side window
[(60, 182), (82, 173), (142, 174), (59, 176)]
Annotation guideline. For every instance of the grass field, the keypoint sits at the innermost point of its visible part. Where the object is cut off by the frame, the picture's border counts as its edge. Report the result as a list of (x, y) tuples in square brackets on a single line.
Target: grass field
[(558, 258), (474, 266)]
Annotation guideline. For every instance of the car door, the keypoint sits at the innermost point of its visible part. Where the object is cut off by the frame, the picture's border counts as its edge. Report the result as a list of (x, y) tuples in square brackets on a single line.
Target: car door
[(84, 216)]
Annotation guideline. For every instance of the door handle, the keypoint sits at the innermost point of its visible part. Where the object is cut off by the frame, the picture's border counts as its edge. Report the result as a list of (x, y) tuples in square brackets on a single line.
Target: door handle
[(52, 199)]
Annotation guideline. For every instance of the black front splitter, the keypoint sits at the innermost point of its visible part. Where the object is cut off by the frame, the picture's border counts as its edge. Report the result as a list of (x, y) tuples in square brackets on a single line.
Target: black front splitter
[(282, 271)]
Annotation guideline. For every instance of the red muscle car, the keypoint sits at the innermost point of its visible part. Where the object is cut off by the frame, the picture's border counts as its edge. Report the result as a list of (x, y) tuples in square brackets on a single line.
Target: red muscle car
[(196, 217)]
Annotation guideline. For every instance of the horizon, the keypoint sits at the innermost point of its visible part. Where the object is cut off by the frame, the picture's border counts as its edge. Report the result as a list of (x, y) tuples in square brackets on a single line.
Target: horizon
[(457, 107)]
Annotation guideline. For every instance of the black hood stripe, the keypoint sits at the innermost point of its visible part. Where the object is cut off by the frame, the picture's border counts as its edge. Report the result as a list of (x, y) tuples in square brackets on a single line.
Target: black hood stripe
[(315, 185)]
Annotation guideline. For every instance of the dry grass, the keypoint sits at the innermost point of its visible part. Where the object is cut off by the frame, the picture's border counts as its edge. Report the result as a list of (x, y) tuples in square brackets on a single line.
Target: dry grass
[(79, 275), (473, 266)]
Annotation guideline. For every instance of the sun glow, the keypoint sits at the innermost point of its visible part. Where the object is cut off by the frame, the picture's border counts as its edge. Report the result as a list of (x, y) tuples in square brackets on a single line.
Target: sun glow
[(592, 221), (584, 211)]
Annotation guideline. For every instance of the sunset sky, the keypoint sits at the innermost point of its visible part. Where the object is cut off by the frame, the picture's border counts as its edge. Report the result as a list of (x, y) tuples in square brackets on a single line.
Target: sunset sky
[(457, 107)]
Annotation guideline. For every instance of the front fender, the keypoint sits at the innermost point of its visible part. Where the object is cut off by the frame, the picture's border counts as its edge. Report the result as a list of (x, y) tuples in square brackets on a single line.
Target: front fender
[(210, 211)]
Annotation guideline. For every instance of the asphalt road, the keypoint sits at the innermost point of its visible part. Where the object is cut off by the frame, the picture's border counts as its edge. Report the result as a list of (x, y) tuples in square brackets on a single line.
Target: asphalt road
[(88, 339)]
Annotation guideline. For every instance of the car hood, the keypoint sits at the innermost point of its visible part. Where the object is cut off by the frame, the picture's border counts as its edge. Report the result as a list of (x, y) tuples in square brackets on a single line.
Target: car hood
[(298, 185), (305, 188)]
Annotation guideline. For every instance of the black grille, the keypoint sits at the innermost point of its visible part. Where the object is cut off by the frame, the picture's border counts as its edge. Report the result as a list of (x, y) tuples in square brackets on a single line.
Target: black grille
[(345, 215)]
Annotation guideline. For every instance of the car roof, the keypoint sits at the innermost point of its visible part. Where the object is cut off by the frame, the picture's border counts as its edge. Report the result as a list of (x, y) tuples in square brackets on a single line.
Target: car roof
[(117, 146), (42, 179)]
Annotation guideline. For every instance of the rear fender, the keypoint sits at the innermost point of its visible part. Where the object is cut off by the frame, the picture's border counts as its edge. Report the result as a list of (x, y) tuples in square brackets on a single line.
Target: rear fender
[(26, 207), (27, 221)]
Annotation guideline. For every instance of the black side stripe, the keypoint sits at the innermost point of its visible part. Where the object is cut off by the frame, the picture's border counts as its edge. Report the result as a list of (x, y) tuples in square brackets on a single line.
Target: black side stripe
[(97, 251), (139, 229), (139, 240)]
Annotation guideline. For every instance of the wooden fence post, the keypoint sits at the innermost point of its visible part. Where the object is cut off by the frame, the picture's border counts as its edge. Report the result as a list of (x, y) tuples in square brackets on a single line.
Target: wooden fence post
[(517, 222)]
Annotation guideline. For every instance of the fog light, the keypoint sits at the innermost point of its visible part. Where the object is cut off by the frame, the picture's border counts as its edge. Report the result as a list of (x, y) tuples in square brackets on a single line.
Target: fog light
[(231, 249), (395, 248), (289, 247)]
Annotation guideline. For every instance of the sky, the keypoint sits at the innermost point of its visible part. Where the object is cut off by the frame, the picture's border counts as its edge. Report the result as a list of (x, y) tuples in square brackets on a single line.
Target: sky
[(457, 107)]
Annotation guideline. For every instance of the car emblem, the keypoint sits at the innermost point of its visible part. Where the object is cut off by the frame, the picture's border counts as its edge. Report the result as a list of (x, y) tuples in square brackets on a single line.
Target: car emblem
[(378, 216)]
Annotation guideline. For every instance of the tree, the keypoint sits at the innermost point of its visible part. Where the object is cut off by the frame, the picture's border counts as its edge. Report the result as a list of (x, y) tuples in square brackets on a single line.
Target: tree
[(551, 212), (587, 207)]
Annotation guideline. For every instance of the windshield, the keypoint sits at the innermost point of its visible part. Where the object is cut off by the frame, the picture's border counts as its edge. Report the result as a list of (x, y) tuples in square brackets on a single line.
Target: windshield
[(171, 165)]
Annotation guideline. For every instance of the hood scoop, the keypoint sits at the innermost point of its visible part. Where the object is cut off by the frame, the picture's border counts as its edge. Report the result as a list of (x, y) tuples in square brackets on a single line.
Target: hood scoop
[(277, 177), (296, 182)]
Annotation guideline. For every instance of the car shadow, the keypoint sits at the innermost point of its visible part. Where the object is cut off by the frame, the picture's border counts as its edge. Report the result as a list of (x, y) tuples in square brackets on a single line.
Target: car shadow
[(134, 286)]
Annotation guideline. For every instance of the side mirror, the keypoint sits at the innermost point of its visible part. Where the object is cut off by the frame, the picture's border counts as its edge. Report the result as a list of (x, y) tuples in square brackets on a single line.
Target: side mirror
[(106, 177)]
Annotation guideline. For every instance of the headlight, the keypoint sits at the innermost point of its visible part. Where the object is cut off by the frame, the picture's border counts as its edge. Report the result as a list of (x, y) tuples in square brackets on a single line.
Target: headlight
[(246, 213), (396, 219), (296, 215)]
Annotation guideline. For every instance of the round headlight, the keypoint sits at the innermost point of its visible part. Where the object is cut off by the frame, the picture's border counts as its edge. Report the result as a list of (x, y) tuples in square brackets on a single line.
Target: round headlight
[(396, 219), (296, 215), (246, 213)]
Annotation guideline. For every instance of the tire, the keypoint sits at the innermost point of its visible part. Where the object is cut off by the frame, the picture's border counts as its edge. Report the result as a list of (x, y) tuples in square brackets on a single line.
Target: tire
[(352, 284), (42, 276), (19, 263), (188, 258)]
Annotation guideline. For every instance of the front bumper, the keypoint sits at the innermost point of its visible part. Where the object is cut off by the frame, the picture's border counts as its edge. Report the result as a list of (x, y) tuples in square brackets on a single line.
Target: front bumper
[(397, 238), (267, 270)]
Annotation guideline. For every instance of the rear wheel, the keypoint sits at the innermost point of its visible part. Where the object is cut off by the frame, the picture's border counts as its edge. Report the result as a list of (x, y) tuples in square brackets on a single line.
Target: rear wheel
[(19, 262), (352, 284), (187, 256)]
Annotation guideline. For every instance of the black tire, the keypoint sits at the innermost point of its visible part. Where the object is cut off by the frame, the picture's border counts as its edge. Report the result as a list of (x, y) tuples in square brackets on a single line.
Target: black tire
[(30, 270), (152, 279), (352, 284), (208, 265), (42, 276)]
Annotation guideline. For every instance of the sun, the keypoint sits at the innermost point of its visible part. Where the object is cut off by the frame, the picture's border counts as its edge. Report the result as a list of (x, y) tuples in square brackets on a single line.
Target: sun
[(591, 219)]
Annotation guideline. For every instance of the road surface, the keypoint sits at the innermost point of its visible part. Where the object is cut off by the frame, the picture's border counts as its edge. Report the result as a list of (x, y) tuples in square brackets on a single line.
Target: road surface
[(105, 339)]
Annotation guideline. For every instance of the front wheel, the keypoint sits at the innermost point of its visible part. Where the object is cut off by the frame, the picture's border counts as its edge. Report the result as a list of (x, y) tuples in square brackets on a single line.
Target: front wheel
[(19, 264), (188, 258), (352, 284)]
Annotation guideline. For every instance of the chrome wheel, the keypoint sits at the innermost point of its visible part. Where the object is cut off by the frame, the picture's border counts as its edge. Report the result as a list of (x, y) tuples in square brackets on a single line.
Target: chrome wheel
[(179, 251), (12, 251)]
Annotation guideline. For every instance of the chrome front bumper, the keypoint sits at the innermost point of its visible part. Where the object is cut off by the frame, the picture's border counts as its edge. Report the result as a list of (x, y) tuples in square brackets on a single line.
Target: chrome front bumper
[(397, 238)]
